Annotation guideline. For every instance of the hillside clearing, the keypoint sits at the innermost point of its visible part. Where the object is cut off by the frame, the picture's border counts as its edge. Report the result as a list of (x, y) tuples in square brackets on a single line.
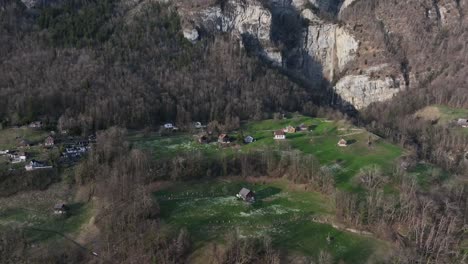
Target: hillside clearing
[(210, 211)]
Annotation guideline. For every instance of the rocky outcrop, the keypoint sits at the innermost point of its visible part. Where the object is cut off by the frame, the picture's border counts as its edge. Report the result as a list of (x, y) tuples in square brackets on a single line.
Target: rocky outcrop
[(361, 90), (293, 35), (332, 46)]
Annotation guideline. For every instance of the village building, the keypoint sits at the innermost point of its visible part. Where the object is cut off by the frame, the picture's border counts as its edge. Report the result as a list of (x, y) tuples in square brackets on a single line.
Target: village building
[(289, 129), (22, 156), (246, 195), (17, 157), (23, 143), (463, 122), (342, 143), (60, 209), (224, 139), (168, 126), (203, 139), (302, 127), (75, 151), (279, 134), (249, 139), (35, 124), (197, 125), (4, 152), (36, 165), (49, 141)]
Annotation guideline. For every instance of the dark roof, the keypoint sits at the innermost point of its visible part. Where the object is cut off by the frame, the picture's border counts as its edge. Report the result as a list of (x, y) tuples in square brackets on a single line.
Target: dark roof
[(244, 192), (60, 206), (279, 132)]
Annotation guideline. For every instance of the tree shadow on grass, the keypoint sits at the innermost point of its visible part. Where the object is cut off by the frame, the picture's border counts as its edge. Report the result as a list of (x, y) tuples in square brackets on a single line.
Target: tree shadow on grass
[(267, 192), (351, 141)]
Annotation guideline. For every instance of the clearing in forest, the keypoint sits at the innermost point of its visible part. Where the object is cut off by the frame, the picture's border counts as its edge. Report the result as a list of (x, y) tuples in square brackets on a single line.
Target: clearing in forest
[(210, 211), (32, 212)]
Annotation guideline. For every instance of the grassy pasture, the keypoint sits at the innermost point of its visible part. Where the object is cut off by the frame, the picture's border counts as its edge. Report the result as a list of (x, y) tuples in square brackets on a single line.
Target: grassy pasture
[(444, 115), (10, 137), (320, 140), (33, 212), (210, 210)]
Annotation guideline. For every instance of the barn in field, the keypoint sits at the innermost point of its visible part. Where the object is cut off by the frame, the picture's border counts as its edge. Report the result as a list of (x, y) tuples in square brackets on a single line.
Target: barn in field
[(246, 195)]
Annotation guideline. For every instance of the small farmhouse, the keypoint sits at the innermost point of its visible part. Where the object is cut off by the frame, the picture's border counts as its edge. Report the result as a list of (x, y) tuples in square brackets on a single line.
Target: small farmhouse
[(60, 209), (302, 127), (463, 122), (224, 139), (246, 195), (203, 139), (36, 165), (17, 157), (35, 124), (248, 139), (289, 129), (342, 143), (279, 134), (49, 141), (168, 126), (23, 143), (198, 125)]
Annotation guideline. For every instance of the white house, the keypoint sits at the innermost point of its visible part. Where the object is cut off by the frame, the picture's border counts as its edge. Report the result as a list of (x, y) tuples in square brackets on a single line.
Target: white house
[(279, 134), (168, 126), (17, 157), (35, 124), (463, 122), (342, 143), (36, 165), (197, 125)]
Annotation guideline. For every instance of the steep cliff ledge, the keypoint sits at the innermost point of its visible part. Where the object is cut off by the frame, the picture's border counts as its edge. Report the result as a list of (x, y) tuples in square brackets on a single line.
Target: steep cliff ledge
[(302, 37)]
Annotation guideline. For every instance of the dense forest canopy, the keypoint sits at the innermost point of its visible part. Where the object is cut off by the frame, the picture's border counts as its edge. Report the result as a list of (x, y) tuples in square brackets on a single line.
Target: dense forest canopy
[(94, 64)]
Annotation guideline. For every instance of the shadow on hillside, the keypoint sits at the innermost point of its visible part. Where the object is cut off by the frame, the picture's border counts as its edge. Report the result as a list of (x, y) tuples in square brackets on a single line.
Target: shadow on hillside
[(289, 33)]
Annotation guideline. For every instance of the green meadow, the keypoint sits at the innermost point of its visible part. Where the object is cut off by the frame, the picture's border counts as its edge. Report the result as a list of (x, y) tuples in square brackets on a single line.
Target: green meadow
[(444, 116), (40, 224), (9, 138), (210, 211), (320, 140)]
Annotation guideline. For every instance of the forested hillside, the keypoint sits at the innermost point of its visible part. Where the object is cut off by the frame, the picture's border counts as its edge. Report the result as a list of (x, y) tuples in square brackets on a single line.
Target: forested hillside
[(94, 64), (130, 129)]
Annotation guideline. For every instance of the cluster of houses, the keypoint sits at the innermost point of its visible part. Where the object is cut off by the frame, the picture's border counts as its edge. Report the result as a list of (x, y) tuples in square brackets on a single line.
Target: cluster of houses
[(74, 149), (204, 138), (21, 156), (16, 157), (281, 134), (224, 138)]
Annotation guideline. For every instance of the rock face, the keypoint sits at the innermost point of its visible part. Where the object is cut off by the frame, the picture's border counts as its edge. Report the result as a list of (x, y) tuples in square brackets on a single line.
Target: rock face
[(361, 90), (332, 46), (292, 35)]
